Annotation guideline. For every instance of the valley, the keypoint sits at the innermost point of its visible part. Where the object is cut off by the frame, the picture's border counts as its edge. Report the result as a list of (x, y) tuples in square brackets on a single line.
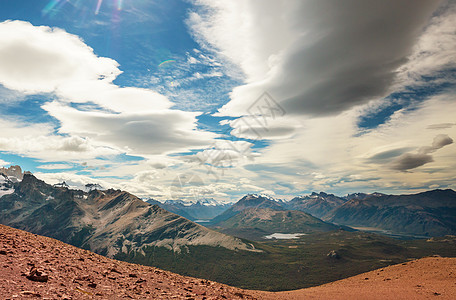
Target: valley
[(295, 263)]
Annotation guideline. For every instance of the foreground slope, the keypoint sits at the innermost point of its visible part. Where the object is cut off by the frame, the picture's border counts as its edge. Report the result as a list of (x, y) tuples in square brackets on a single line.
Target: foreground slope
[(40, 267), (426, 278), (107, 222), (431, 213)]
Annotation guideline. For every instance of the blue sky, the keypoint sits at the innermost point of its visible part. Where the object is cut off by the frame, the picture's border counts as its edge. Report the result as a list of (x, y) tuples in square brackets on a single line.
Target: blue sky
[(276, 97)]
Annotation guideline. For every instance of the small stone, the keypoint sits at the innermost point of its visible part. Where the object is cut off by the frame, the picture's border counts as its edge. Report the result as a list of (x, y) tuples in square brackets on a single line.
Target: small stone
[(36, 275), (30, 293), (333, 254)]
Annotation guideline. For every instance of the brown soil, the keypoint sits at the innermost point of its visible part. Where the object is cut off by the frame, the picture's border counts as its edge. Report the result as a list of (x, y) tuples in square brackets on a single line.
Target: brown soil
[(38, 267), (33, 266), (426, 278)]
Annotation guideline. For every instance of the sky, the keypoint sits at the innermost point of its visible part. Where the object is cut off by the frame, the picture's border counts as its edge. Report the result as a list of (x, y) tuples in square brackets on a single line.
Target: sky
[(212, 99)]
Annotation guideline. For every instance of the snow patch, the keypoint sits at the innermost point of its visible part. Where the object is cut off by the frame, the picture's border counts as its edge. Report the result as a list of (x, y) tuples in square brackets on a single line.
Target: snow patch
[(284, 236), (4, 192)]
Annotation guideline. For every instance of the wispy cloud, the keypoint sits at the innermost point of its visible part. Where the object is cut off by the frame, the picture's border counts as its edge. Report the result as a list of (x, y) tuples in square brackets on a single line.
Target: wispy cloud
[(55, 167)]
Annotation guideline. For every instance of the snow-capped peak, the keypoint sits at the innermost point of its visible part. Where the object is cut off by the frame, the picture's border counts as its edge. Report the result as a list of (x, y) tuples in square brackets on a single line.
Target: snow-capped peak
[(6, 185)]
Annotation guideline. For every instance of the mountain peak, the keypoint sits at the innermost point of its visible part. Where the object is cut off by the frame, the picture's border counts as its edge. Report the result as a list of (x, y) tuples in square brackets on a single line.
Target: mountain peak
[(14, 173), (259, 196)]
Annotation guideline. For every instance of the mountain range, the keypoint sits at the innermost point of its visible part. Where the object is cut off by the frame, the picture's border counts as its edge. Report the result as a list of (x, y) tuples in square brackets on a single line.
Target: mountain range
[(198, 211), (107, 222), (120, 225), (431, 213), (318, 205), (256, 216)]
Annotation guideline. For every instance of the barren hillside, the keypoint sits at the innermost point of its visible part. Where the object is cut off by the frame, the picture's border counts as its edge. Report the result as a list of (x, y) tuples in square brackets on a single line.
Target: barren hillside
[(33, 266)]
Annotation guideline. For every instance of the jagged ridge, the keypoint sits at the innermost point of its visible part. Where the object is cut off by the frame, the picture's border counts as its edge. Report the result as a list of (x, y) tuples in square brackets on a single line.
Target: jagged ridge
[(106, 222)]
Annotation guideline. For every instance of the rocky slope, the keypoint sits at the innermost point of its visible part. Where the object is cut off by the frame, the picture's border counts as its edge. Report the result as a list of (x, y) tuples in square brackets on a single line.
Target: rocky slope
[(37, 267), (14, 173), (431, 213), (106, 222), (318, 205)]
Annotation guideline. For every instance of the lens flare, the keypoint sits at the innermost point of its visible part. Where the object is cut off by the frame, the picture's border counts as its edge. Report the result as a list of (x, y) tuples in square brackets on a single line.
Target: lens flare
[(49, 6), (97, 10), (119, 4), (166, 62)]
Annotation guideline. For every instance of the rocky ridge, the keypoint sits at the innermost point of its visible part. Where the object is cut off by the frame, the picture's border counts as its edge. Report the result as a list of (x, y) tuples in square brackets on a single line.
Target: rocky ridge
[(317, 204)]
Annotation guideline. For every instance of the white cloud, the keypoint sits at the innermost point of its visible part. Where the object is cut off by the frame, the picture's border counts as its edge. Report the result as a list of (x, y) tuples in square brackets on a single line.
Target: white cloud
[(73, 180), (40, 59), (3, 163), (263, 127), (55, 166), (37, 59), (434, 52), (43, 59), (39, 141), (328, 152), (140, 133)]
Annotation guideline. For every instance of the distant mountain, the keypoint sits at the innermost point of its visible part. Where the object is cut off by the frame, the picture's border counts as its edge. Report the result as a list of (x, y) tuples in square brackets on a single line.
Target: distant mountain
[(362, 196), (431, 213), (201, 210), (248, 201), (318, 205), (107, 222), (255, 223)]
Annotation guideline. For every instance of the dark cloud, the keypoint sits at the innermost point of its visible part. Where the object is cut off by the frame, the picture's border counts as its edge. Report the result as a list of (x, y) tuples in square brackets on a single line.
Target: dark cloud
[(349, 52), (441, 126), (441, 140), (385, 155), (409, 161)]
